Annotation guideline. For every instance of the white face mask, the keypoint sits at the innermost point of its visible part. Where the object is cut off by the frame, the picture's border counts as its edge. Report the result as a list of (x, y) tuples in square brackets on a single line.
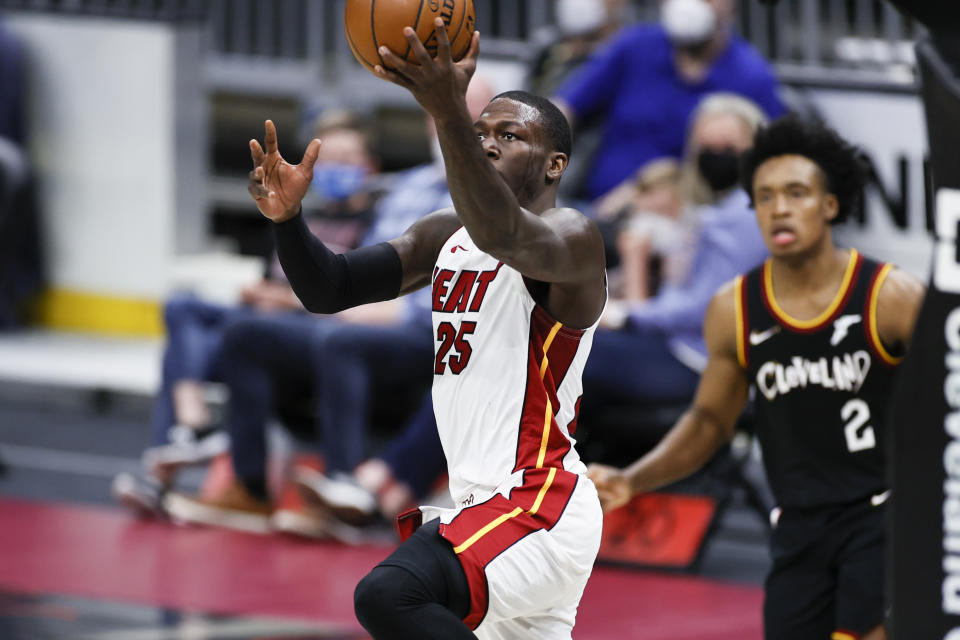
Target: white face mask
[(576, 17), (688, 22)]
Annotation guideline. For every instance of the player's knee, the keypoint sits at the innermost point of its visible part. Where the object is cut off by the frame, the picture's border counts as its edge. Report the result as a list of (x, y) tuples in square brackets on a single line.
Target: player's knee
[(375, 598)]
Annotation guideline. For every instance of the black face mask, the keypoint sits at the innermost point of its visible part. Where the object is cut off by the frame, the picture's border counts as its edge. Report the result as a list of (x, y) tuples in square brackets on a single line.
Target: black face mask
[(721, 169)]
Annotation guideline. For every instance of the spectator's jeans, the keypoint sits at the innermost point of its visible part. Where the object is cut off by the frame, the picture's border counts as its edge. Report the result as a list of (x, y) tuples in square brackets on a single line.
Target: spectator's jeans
[(338, 365), (195, 331), (637, 366), (263, 358), (415, 455), (359, 361)]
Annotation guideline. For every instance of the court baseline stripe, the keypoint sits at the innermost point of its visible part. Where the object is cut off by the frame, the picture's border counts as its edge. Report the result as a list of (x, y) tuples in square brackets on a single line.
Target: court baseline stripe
[(84, 464)]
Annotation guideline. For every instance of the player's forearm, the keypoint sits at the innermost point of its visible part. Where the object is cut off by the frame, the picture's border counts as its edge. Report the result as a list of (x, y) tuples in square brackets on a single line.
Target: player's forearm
[(484, 202), (687, 447), (326, 282)]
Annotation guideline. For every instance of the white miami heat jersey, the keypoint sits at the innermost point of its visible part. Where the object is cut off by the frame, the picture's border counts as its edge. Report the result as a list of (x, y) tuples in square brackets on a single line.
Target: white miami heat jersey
[(507, 377)]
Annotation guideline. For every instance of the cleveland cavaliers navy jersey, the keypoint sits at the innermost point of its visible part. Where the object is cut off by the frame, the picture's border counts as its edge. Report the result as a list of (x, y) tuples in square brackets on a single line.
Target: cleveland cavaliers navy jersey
[(821, 387)]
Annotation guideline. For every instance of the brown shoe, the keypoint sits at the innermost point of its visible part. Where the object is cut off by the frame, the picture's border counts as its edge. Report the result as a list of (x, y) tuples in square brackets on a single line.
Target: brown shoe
[(235, 508), (294, 517)]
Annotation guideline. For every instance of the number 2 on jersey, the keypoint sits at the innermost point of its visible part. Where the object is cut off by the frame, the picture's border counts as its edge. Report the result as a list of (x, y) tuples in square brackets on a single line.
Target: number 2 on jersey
[(449, 337), (855, 414)]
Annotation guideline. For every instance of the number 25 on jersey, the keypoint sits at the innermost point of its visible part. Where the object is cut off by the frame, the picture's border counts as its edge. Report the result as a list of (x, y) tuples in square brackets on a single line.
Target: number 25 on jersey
[(454, 349)]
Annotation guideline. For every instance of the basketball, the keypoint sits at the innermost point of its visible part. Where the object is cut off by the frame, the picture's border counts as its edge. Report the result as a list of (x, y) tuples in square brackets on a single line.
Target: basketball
[(371, 24)]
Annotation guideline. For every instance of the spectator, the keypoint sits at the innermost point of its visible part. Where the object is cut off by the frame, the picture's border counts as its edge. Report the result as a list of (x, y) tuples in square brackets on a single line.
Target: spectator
[(373, 349), (647, 81), (653, 350), (656, 229), (21, 255), (385, 485), (12, 88), (21, 258), (582, 27), (183, 429)]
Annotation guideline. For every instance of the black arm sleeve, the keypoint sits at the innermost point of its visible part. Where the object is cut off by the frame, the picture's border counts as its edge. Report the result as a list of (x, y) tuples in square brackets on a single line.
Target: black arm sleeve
[(327, 282)]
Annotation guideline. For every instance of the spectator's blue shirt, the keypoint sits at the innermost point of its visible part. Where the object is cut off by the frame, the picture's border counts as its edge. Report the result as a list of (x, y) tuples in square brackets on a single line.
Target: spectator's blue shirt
[(415, 193), (634, 84), (728, 243)]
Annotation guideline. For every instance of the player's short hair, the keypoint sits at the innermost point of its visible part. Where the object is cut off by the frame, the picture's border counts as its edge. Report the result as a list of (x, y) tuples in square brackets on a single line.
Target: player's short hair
[(554, 123), (840, 161)]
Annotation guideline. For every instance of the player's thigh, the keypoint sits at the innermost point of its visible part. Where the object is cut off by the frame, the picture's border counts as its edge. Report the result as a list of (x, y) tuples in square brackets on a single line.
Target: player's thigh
[(547, 570), (861, 594), (799, 599)]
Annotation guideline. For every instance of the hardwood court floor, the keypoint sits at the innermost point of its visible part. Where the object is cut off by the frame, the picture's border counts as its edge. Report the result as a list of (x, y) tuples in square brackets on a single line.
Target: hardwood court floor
[(100, 554)]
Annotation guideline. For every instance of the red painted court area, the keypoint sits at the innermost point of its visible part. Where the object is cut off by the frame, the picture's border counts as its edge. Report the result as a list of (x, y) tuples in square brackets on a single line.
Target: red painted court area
[(102, 553)]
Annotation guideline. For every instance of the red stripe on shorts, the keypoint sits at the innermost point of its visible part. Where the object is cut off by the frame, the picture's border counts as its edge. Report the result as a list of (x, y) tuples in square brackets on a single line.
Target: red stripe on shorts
[(482, 532)]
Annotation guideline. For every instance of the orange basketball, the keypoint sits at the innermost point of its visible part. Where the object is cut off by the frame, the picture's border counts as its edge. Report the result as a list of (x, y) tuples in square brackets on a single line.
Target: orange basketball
[(371, 24)]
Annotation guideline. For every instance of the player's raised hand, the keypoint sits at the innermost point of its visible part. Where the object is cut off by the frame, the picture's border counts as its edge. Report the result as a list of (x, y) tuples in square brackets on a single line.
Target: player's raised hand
[(277, 186), (435, 82), (613, 488)]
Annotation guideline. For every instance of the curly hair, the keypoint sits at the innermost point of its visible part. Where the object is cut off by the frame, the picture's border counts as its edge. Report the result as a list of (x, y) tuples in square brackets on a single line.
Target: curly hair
[(840, 162)]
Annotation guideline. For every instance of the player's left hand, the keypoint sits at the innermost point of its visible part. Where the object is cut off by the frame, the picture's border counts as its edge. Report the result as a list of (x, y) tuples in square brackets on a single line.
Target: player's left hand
[(439, 83)]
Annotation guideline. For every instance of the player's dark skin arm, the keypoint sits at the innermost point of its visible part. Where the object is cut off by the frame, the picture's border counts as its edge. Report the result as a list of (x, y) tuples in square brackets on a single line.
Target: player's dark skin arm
[(420, 245), (558, 246), (898, 305), (561, 247), (705, 427)]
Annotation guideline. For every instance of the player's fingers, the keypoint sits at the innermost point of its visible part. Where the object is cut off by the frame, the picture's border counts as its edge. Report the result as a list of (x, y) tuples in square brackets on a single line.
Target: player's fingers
[(599, 481), (392, 76), (256, 153), (469, 61), (443, 40), (393, 62), (599, 472), (310, 155), (607, 501), (416, 46), (270, 136), (474, 51), (256, 175), (257, 191)]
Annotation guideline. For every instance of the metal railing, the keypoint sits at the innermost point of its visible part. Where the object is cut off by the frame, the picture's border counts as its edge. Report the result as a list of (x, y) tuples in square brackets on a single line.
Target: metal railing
[(807, 36), (138, 9)]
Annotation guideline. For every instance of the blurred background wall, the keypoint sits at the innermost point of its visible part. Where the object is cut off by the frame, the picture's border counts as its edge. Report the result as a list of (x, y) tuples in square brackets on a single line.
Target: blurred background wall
[(117, 135)]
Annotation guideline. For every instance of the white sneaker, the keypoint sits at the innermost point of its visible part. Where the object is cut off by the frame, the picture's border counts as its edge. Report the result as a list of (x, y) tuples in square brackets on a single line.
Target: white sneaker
[(339, 494), (186, 447), (140, 496)]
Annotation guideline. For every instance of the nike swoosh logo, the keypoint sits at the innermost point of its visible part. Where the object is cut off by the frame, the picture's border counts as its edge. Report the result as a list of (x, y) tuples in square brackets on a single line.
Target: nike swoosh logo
[(462, 248), (757, 337), (880, 498)]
